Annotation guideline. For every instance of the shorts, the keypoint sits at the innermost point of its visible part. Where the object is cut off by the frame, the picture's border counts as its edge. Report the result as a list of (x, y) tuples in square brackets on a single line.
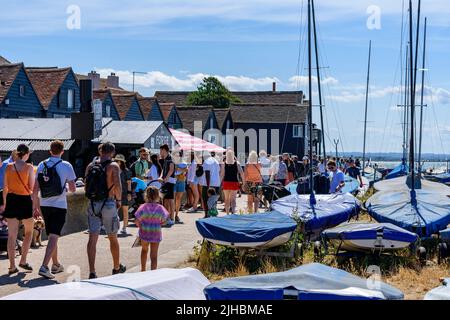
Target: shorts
[(1, 197), (230, 185), (106, 216), (194, 181), (54, 219), (18, 207), (124, 199), (180, 186), (167, 189)]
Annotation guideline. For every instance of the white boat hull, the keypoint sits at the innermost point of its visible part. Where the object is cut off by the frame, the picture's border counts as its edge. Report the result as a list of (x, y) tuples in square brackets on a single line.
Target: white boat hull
[(277, 241), (370, 244)]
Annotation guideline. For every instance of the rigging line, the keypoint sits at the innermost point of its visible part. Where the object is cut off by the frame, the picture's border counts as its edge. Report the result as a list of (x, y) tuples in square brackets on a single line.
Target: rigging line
[(435, 117), (300, 51)]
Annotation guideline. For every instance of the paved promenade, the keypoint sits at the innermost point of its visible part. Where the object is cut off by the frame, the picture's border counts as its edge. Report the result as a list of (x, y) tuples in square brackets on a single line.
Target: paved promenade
[(174, 250)]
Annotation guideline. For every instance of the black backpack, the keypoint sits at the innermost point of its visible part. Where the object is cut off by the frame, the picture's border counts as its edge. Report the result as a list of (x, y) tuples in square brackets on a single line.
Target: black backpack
[(49, 181), (199, 171), (96, 183)]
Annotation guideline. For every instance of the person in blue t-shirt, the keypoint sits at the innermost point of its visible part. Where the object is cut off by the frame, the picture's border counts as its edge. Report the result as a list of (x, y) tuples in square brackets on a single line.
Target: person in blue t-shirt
[(4, 164), (338, 178)]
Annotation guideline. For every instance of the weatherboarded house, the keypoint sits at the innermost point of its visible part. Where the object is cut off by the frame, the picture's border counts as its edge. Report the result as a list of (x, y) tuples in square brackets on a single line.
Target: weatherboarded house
[(128, 106), (57, 90), (17, 96), (171, 116), (109, 109)]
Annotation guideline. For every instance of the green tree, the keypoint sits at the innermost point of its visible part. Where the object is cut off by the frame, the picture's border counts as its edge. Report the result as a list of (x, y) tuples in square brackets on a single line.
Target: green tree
[(212, 92)]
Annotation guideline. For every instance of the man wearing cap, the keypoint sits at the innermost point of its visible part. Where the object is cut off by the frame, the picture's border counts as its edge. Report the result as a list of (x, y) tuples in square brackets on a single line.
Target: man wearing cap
[(142, 165)]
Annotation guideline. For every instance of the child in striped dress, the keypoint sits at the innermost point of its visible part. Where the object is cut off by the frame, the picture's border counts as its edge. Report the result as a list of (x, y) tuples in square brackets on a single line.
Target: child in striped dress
[(149, 218)]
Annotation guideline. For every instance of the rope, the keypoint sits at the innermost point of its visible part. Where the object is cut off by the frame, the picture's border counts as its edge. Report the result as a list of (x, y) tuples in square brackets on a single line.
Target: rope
[(120, 287)]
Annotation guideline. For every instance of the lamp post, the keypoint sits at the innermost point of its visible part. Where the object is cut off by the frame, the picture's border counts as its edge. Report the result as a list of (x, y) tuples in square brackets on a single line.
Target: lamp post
[(134, 74)]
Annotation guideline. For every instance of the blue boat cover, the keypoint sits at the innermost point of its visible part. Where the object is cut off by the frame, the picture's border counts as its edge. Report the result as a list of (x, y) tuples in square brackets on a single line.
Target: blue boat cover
[(429, 216), (440, 293), (442, 178), (445, 234), (313, 281), (400, 170), (329, 211), (358, 231), (351, 185), (234, 228)]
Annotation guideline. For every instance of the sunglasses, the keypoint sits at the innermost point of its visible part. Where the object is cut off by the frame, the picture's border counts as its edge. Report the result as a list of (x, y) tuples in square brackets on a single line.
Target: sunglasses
[(331, 167)]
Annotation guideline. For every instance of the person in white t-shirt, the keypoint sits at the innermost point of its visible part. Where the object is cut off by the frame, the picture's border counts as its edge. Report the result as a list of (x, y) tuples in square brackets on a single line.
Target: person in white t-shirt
[(193, 181), (53, 208), (210, 178), (265, 163), (155, 172)]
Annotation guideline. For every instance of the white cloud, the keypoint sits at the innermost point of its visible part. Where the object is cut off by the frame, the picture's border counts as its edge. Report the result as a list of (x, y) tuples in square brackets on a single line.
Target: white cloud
[(158, 80)]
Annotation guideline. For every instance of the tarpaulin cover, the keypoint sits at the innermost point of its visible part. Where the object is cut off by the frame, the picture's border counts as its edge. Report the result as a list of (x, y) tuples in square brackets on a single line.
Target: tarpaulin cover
[(161, 284), (429, 216), (329, 211), (187, 142), (246, 228), (398, 184), (440, 293), (442, 178), (359, 231), (313, 281), (400, 170), (445, 234), (351, 184)]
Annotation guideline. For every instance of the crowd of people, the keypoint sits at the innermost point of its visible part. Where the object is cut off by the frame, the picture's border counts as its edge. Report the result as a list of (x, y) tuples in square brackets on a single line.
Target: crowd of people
[(171, 182)]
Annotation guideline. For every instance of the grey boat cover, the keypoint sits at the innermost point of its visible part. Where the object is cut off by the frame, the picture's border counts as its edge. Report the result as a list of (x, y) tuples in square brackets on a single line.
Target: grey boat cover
[(439, 293), (313, 281)]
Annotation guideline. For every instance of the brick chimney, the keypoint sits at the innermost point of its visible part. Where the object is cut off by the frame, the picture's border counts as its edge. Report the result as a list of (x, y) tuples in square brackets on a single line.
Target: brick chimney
[(112, 81), (95, 77), (274, 86)]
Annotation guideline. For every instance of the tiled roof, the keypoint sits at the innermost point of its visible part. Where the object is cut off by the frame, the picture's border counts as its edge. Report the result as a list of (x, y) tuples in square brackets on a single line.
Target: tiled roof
[(100, 94), (146, 105), (269, 113), (8, 73), (103, 81), (189, 114), (166, 109), (46, 82), (221, 115), (3, 61), (123, 103), (273, 97)]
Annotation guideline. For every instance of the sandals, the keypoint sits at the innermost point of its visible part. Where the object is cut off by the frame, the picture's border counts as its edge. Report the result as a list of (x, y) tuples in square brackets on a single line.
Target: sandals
[(26, 266), (10, 272)]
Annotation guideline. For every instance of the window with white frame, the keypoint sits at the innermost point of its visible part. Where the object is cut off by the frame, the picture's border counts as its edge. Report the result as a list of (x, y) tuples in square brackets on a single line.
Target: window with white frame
[(297, 131), (108, 111), (70, 99)]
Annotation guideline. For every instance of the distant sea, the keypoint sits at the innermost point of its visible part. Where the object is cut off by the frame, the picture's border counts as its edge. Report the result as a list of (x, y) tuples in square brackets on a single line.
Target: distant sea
[(426, 165)]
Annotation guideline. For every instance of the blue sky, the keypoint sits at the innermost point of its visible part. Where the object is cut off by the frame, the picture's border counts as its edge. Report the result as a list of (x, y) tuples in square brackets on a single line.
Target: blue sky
[(248, 45)]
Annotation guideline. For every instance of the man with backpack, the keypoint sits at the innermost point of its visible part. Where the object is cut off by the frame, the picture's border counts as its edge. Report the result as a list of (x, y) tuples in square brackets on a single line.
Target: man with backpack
[(104, 190), (53, 179)]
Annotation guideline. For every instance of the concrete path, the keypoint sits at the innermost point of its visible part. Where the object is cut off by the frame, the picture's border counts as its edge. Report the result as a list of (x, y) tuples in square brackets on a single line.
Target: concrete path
[(174, 250)]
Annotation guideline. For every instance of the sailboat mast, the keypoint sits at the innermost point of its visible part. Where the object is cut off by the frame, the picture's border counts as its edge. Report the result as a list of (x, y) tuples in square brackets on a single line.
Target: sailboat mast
[(421, 93), (365, 110), (311, 178), (413, 96), (318, 79), (405, 109)]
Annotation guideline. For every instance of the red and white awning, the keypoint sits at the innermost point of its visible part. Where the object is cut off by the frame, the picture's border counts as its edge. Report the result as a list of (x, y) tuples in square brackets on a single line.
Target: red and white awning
[(187, 142)]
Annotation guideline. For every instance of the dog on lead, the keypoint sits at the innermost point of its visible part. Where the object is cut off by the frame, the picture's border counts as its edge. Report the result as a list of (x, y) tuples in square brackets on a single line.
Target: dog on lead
[(39, 226)]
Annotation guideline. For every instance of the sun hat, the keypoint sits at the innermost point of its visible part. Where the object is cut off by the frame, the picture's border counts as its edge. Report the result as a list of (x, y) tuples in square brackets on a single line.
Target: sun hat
[(120, 157)]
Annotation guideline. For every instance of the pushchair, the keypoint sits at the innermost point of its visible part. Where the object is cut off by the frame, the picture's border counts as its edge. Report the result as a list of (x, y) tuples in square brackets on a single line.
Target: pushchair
[(138, 186), (4, 237), (321, 184)]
